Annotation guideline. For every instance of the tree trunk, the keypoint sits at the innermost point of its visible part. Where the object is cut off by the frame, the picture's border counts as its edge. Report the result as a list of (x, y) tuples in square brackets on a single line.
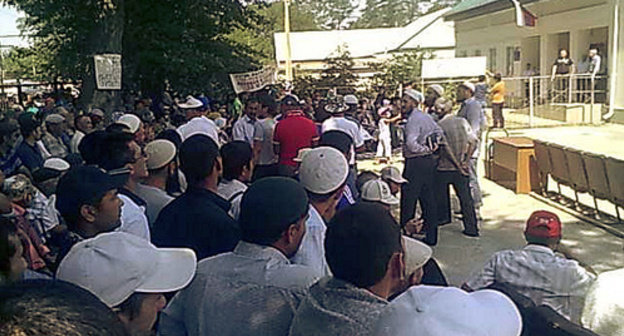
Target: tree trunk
[(106, 38)]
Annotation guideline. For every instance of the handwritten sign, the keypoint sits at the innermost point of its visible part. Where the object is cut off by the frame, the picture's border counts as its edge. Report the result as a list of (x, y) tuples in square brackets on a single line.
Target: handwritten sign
[(108, 71), (253, 81)]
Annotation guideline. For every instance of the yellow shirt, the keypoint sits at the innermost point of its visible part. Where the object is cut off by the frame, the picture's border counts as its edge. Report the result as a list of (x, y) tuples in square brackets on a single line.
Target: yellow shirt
[(498, 93)]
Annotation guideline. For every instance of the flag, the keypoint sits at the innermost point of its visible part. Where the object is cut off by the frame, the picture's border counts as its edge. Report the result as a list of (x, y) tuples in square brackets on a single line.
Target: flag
[(524, 18)]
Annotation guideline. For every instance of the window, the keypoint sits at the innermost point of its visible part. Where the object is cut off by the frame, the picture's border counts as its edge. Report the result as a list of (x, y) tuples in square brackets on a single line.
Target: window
[(492, 60), (462, 53), (477, 53), (509, 61)]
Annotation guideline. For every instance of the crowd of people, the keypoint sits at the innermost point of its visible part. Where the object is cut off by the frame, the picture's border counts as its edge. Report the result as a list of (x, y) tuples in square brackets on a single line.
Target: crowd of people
[(256, 221)]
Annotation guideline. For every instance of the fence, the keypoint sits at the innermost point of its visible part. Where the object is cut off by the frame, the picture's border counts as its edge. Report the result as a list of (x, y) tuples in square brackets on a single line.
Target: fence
[(539, 101), (20, 90)]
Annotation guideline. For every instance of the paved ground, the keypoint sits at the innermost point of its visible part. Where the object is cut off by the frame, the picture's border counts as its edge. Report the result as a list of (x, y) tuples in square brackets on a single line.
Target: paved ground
[(505, 214)]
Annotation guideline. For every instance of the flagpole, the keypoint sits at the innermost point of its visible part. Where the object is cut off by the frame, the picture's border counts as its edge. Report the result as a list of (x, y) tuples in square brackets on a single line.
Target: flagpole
[(289, 70)]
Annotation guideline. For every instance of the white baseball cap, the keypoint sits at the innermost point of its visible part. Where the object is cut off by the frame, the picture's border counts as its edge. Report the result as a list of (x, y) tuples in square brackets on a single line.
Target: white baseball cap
[(323, 170), (416, 95), (468, 85), (56, 164), (191, 103), (54, 118), (416, 254), (437, 88), (115, 265), (133, 122), (350, 99), (159, 153), (443, 311), (378, 191), (393, 174)]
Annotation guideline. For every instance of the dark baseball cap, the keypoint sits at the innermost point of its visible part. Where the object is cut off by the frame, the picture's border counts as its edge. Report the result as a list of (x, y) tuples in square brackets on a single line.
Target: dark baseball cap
[(269, 207), (80, 186), (290, 100)]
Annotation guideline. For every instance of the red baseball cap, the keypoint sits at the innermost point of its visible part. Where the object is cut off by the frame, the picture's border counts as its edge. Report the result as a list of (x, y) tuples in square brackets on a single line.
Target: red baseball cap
[(543, 224)]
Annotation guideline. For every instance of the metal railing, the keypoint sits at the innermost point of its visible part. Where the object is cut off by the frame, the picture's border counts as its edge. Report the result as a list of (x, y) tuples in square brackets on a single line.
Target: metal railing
[(534, 101)]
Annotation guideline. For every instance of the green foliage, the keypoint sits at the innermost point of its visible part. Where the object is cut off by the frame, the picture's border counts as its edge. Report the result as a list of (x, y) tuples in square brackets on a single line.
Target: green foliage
[(402, 68), (269, 19), (338, 73), (23, 63), (182, 44), (329, 14), (398, 13)]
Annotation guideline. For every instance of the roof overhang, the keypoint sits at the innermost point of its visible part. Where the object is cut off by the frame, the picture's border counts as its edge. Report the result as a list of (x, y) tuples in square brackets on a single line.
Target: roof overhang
[(482, 9)]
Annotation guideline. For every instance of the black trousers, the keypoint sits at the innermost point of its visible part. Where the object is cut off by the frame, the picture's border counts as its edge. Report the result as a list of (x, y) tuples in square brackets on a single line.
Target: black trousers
[(497, 115), (421, 174), (462, 189)]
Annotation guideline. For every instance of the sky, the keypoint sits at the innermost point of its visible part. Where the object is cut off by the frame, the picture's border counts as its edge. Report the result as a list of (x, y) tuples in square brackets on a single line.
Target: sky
[(8, 26)]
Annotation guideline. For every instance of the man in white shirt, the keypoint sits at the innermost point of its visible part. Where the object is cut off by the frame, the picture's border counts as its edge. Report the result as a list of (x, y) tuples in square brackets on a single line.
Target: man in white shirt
[(537, 272), (83, 126), (266, 159), (253, 290), (247, 127), (238, 167), (338, 121), (125, 160), (197, 123), (323, 173)]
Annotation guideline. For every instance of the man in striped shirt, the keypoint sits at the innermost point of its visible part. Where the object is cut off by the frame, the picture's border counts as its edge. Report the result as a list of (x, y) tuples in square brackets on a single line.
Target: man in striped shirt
[(541, 271)]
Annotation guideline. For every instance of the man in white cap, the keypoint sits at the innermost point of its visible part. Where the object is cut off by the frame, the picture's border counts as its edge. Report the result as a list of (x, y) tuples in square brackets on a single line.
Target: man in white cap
[(135, 127), (392, 176), (378, 191), (364, 250), (454, 166), (323, 173), (422, 136), (161, 165), (197, 122), (443, 311), (97, 119), (53, 138), (129, 275), (255, 289), (338, 121), (472, 111), (247, 128), (432, 94)]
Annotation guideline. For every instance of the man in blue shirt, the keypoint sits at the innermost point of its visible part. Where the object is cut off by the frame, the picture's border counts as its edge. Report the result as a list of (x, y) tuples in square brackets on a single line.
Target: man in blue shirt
[(28, 150), (422, 136)]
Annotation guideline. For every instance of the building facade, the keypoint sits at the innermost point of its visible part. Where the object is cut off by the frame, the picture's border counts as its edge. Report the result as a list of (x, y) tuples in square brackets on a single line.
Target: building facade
[(488, 28), (310, 49)]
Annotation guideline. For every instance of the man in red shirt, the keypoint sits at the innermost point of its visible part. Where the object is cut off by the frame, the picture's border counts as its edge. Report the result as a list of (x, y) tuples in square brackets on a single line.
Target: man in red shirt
[(293, 133)]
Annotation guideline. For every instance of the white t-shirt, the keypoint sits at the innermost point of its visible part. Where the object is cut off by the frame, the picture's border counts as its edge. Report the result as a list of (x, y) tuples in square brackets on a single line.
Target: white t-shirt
[(347, 126)]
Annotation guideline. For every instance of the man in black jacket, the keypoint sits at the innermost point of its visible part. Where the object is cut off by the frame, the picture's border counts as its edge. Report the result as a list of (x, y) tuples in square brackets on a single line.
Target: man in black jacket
[(198, 219)]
